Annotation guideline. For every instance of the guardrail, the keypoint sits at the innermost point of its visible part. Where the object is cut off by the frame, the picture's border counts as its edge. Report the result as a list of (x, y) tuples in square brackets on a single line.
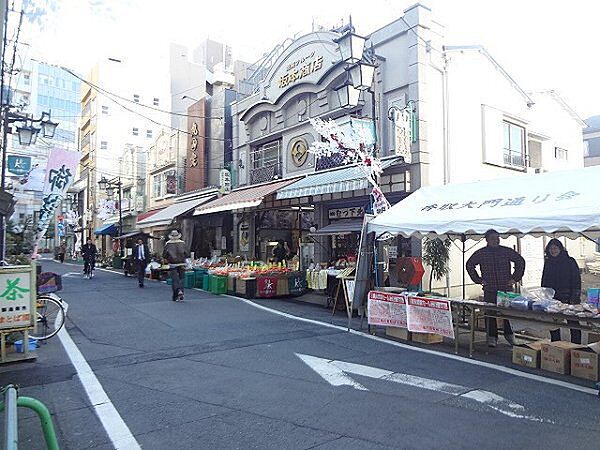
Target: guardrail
[(11, 429)]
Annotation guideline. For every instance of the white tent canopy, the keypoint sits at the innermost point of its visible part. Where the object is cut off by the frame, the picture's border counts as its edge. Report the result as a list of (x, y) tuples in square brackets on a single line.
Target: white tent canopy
[(563, 202)]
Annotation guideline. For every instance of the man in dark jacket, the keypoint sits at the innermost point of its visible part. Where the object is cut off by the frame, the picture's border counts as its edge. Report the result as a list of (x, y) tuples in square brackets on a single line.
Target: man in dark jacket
[(89, 252), (494, 262), (141, 255), (175, 254)]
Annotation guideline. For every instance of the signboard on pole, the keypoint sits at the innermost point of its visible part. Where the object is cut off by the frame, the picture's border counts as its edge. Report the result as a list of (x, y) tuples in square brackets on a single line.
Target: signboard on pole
[(18, 165), (225, 181), (387, 309), (429, 315), (17, 297)]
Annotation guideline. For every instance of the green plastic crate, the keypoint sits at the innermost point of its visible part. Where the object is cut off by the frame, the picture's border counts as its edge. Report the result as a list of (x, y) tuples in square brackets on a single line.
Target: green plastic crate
[(206, 282), (218, 285), (189, 280)]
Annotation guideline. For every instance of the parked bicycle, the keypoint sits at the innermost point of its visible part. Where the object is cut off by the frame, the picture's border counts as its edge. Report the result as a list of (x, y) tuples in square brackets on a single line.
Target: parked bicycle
[(50, 308)]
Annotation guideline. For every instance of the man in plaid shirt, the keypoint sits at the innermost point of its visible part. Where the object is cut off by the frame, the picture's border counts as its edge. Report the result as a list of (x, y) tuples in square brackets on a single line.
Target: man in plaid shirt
[(496, 275)]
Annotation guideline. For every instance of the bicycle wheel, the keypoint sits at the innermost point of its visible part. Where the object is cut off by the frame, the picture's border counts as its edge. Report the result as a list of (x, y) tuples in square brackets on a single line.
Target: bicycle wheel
[(50, 318)]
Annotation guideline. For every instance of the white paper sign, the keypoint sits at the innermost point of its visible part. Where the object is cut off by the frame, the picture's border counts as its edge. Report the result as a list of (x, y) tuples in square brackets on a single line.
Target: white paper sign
[(429, 315), (386, 308)]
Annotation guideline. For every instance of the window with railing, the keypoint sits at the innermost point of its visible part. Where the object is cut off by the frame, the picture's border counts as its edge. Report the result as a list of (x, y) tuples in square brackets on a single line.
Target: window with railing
[(164, 183), (85, 140), (514, 145), (561, 153), (265, 162)]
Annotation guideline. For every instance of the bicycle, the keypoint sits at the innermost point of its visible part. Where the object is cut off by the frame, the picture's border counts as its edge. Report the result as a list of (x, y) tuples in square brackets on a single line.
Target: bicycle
[(50, 314), (88, 269), (50, 310)]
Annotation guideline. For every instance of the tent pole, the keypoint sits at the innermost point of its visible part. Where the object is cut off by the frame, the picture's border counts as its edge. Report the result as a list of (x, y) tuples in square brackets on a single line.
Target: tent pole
[(463, 239)]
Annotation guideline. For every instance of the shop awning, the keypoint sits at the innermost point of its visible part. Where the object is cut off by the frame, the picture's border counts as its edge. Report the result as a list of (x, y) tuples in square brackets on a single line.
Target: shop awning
[(136, 233), (147, 214), (108, 229), (167, 215), (340, 180), (561, 203), (345, 226), (115, 219), (246, 197)]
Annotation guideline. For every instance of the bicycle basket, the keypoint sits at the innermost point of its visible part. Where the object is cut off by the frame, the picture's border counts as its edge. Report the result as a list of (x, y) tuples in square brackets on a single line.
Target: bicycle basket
[(48, 282)]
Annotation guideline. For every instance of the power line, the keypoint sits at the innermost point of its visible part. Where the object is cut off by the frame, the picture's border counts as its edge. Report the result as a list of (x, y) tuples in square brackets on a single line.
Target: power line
[(120, 97)]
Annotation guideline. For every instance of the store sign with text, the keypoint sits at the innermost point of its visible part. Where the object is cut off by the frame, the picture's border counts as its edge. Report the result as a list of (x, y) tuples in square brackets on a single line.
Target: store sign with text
[(346, 213), (244, 236), (225, 181)]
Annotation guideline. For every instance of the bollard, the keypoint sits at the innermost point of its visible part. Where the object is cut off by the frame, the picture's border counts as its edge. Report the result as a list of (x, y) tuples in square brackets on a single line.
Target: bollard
[(10, 404), (11, 431)]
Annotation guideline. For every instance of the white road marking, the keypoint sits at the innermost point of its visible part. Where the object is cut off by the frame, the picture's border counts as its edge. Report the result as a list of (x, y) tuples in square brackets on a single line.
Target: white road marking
[(507, 370), (335, 373), (117, 430), (71, 274)]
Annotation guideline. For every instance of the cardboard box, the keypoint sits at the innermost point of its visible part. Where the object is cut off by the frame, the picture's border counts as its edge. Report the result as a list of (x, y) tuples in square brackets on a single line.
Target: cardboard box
[(556, 356), (593, 337), (400, 333), (584, 362), (427, 338), (528, 355)]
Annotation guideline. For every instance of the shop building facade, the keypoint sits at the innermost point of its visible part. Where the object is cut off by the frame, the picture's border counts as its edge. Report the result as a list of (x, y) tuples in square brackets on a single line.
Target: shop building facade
[(472, 122)]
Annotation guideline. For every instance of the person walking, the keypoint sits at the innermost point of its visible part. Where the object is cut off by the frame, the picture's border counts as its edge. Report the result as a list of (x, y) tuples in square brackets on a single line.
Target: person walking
[(561, 273), (89, 252), (175, 254), (141, 256), (279, 252), (494, 263), (62, 249)]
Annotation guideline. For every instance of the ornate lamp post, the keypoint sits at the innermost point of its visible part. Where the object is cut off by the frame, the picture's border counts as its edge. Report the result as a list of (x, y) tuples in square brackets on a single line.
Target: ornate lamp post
[(27, 129)]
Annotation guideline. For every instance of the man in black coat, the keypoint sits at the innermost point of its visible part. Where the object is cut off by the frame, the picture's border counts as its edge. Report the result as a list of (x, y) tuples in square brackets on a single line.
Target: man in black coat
[(141, 255)]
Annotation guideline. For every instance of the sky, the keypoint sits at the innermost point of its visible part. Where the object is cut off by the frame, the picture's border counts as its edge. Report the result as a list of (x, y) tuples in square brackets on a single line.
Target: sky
[(542, 44)]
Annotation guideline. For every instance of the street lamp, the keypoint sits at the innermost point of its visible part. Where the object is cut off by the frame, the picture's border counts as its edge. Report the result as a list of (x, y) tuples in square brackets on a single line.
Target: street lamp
[(351, 46), (27, 129), (348, 95), (109, 187), (360, 70), (361, 75)]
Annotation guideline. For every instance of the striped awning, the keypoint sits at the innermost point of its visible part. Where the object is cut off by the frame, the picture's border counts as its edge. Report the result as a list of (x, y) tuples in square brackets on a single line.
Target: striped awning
[(340, 180), (246, 197), (167, 215)]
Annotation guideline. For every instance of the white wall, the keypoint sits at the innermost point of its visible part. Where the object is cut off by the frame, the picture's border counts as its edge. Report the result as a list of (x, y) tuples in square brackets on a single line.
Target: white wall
[(149, 80)]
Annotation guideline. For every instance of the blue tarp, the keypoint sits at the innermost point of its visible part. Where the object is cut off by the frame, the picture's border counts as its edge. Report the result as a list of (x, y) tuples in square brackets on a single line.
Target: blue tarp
[(110, 229)]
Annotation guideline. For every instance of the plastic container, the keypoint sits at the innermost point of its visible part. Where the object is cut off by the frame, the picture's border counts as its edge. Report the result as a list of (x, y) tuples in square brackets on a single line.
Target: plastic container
[(33, 344), (218, 285), (199, 277), (206, 282), (189, 280)]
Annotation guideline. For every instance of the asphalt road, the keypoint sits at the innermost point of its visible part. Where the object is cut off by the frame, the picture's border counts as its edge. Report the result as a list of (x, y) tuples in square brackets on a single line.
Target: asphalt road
[(215, 372)]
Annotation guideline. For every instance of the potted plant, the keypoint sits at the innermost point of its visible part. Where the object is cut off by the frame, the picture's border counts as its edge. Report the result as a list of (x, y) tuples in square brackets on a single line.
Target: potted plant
[(436, 254)]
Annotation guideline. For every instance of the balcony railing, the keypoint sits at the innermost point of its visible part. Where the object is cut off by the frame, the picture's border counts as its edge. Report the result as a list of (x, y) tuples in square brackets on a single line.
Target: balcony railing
[(265, 174), (515, 159)]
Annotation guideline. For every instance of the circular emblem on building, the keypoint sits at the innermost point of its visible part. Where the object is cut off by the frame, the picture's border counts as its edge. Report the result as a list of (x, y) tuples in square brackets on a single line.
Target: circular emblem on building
[(299, 151)]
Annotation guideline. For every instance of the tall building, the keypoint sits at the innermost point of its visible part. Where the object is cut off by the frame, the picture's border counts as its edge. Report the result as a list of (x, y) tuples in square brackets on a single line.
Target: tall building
[(125, 104)]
